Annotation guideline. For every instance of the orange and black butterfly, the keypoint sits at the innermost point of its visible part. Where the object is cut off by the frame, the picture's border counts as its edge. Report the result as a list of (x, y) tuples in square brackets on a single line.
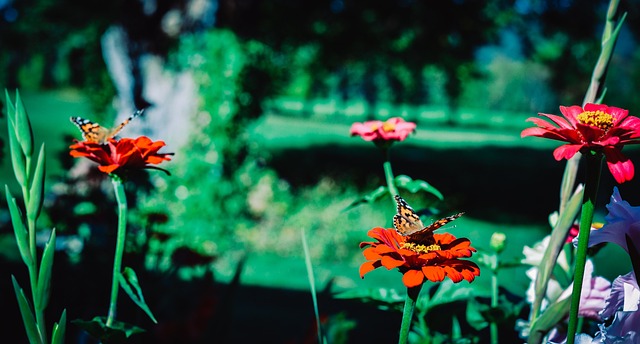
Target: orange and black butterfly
[(95, 133), (407, 222)]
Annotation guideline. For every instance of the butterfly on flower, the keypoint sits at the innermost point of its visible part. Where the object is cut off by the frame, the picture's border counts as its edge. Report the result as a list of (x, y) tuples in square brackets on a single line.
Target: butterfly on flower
[(95, 133), (407, 222)]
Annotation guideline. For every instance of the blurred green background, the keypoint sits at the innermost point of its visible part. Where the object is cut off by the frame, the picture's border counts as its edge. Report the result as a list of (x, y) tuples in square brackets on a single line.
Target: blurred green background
[(265, 152)]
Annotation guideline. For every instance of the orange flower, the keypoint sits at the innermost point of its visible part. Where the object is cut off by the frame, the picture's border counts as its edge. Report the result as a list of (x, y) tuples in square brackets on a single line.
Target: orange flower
[(433, 259), (125, 154)]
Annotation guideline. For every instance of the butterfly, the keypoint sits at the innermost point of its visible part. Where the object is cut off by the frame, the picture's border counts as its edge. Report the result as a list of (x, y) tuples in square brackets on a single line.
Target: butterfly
[(408, 223), (95, 133)]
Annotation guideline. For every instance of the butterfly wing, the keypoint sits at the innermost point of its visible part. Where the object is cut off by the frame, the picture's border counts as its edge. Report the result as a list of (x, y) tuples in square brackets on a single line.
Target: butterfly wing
[(91, 132), (95, 133), (406, 221), (117, 129), (443, 221)]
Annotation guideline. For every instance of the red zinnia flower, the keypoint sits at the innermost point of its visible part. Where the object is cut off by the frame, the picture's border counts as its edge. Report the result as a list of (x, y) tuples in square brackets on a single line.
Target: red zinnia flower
[(433, 260), (393, 129), (124, 154), (600, 128)]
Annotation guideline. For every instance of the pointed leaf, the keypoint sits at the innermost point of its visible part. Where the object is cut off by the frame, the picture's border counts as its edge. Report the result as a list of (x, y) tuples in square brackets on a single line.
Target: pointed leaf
[(44, 275), (118, 332), (17, 156), (27, 316), (556, 242), (59, 329), (369, 198), (36, 194), (405, 182), (568, 180), (312, 285), (23, 127), (128, 280), (19, 229), (11, 110), (550, 318)]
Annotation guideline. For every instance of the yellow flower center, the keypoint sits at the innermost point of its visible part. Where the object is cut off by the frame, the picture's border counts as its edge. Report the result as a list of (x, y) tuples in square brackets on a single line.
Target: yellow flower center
[(598, 119), (388, 127), (420, 248)]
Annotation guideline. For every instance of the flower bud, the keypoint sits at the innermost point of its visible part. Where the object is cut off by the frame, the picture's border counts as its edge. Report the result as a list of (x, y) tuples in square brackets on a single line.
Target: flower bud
[(498, 242)]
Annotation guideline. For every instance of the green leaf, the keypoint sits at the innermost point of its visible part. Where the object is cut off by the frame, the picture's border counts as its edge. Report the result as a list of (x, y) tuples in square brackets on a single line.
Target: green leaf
[(450, 292), (44, 275), (405, 182), (556, 242), (474, 314), (23, 127), (550, 318), (129, 281), (19, 229), (383, 298), (17, 156), (59, 329), (36, 193), (27, 315), (312, 285), (118, 332), (370, 197)]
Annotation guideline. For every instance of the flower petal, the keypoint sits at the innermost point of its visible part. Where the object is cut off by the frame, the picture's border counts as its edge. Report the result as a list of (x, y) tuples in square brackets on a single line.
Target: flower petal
[(391, 263), (619, 165), (412, 278), (566, 151), (367, 267), (434, 273)]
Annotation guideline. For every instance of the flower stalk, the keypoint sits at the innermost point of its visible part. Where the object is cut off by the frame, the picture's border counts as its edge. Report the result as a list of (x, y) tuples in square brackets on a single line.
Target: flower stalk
[(388, 174), (121, 198), (407, 312), (593, 170)]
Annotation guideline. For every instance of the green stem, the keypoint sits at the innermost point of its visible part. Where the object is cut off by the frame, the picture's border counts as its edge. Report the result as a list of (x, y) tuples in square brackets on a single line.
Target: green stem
[(388, 174), (33, 249), (494, 305), (121, 198), (593, 169), (407, 313)]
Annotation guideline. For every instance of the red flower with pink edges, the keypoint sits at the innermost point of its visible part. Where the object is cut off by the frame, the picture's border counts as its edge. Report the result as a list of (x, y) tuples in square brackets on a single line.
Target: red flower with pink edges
[(596, 127)]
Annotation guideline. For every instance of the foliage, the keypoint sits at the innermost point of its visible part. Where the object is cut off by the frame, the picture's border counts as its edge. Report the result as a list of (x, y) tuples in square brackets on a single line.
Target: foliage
[(31, 178)]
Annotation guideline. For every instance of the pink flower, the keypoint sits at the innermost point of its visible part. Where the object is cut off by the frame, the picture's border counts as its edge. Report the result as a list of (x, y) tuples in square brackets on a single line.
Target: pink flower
[(393, 129), (600, 128)]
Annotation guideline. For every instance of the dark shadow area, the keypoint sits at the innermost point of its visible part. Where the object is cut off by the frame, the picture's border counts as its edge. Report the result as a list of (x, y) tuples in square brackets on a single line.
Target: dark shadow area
[(490, 183)]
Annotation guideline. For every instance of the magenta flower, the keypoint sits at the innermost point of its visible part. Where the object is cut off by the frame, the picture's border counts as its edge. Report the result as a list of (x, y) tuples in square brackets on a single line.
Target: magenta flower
[(599, 128), (622, 220), (393, 129)]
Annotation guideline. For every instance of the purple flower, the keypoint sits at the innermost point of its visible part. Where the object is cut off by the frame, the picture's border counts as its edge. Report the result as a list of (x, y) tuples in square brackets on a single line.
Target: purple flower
[(623, 305), (622, 220)]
